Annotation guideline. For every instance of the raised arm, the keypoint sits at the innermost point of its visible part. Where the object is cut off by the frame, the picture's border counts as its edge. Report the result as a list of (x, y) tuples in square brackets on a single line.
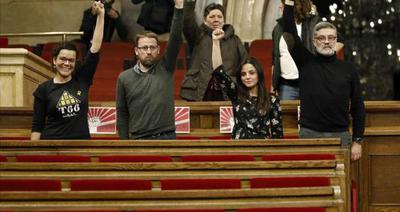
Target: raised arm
[(98, 30), (226, 82), (175, 37), (217, 35), (190, 28), (298, 52)]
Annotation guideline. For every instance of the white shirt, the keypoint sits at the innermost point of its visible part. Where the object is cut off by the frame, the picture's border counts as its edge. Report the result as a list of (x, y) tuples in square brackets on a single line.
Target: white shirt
[(289, 69)]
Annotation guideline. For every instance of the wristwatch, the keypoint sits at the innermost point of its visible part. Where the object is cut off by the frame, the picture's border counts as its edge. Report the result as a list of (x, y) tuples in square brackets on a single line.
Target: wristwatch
[(358, 140)]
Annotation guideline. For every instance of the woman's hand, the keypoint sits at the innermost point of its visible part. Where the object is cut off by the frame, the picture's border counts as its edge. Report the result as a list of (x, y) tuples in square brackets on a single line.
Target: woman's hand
[(218, 34)]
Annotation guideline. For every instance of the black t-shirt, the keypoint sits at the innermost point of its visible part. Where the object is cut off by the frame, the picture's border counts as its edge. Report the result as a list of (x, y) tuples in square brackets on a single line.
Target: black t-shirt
[(60, 110)]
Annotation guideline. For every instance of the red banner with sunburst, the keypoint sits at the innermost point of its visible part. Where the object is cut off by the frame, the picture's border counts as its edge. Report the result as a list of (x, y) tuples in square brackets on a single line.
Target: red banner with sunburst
[(226, 120), (102, 120), (182, 119)]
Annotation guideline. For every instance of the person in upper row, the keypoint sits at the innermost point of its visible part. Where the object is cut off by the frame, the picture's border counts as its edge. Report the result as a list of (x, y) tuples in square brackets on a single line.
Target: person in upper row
[(256, 114), (61, 104), (112, 21), (330, 89), (198, 84), (285, 76)]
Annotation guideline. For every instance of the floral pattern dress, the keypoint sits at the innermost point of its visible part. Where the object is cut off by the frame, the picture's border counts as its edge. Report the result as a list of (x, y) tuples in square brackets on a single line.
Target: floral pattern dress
[(249, 123)]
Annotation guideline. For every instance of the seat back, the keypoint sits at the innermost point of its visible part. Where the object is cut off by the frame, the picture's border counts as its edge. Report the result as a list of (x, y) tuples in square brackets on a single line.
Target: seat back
[(52, 158), (262, 51), (110, 184), (280, 157), (29, 185), (135, 158), (276, 182), (190, 184), (111, 64), (209, 158), (294, 209)]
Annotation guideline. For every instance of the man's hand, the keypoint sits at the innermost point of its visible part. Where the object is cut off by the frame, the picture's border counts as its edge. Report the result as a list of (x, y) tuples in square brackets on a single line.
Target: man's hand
[(218, 34), (179, 4), (356, 151)]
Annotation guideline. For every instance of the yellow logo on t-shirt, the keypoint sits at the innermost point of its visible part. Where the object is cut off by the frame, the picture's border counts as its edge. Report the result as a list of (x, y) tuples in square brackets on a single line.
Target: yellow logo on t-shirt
[(67, 99), (68, 105)]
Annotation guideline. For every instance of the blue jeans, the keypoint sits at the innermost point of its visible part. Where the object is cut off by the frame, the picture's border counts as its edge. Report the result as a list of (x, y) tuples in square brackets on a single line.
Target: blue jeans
[(287, 92), (309, 133), (170, 135)]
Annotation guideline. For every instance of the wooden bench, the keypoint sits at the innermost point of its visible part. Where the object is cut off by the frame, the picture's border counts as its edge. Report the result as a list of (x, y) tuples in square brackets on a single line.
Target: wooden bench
[(333, 196)]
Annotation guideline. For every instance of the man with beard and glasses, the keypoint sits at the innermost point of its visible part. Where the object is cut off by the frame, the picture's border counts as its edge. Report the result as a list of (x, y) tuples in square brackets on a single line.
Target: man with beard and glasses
[(329, 88), (145, 93)]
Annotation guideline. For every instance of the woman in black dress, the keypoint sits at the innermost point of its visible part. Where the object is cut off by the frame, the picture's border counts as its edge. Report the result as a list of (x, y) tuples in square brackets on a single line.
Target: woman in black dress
[(257, 114)]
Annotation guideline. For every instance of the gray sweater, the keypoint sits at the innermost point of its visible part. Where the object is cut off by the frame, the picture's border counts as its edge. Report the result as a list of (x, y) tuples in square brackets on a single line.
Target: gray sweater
[(145, 101)]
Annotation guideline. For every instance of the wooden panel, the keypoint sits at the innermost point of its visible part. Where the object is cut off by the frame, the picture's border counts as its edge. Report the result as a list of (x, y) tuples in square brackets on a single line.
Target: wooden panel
[(384, 209), (378, 178), (385, 183), (20, 73)]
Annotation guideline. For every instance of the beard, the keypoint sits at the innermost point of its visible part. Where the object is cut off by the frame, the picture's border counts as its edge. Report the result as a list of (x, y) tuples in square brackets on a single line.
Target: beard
[(148, 61), (326, 51)]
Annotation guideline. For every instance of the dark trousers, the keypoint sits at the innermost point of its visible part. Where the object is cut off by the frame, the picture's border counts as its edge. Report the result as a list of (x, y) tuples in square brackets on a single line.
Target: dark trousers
[(170, 135), (310, 133)]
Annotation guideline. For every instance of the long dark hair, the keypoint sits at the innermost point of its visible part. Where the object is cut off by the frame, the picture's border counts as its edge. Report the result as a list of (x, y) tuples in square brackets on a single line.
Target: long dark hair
[(264, 100)]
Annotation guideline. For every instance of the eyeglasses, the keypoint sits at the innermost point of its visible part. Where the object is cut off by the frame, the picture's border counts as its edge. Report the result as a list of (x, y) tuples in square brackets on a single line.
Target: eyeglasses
[(146, 48), (322, 38), (65, 60)]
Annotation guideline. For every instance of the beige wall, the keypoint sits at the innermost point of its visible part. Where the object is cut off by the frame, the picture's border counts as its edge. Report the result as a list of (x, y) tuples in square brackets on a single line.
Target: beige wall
[(18, 16)]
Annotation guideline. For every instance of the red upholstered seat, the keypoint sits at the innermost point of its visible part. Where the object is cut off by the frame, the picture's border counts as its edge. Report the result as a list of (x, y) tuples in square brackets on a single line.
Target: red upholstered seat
[(183, 210), (354, 196), (305, 209), (299, 157), (262, 51), (135, 158), (3, 158), (189, 184), (53, 158), (215, 158), (3, 42), (110, 184), (111, 64), (47, 51), (284, 182), (29, 185)]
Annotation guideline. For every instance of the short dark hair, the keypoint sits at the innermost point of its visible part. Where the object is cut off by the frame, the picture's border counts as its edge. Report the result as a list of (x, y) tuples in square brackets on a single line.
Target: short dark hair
[(213, 6), (145, 34), (65, 45)]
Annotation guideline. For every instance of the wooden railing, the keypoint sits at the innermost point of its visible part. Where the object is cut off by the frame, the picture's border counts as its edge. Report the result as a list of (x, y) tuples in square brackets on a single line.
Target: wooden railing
[(333, 196), (41, 34)]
